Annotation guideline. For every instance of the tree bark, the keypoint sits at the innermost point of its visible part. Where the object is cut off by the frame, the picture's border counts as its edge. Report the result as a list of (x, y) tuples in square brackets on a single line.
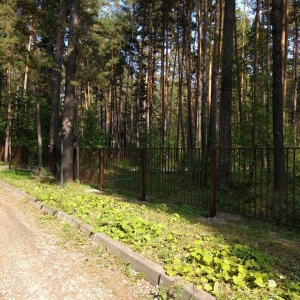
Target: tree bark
[(70, 97), (56, 86), (188, 67), (37, 100), (204, 78), (226, 92), (279, 170), (7, 147), (295, 74), (212, 131)]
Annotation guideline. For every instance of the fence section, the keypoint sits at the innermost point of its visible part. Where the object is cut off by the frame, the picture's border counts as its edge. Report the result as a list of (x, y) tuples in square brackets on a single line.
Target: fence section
[(239, 181), (200, 178), (250, 190)]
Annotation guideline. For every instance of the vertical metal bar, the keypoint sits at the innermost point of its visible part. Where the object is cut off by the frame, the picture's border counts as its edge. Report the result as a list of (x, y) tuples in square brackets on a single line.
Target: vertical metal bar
[(273, 187), (101, 168), (61, 161), (294, 188), (233, 178), (239, 181), (287, 186), (143, 174), (213, 158), (261, 181), (255, 180), (267, 182), (244, 178)]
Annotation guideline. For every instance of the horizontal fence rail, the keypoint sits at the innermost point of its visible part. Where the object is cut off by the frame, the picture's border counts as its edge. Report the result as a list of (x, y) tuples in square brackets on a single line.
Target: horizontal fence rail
[(237, 180)]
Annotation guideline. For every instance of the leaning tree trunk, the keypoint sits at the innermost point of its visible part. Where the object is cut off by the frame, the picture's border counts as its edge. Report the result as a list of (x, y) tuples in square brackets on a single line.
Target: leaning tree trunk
[(70, 97)]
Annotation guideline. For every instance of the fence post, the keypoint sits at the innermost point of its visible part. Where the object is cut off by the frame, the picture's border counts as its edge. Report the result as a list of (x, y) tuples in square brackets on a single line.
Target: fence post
[(143, 174), (213, 163), (101, 168)]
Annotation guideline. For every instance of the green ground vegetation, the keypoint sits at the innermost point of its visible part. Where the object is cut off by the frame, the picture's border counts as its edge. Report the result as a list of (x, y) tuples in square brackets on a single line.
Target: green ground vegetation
[(229, 256)]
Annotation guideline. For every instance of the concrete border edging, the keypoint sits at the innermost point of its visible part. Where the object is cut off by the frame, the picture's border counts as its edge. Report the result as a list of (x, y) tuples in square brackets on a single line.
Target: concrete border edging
[(152, 272)]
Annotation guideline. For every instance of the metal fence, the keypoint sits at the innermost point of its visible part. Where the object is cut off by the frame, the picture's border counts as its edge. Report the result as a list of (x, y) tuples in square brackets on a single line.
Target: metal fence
[(195, 177)]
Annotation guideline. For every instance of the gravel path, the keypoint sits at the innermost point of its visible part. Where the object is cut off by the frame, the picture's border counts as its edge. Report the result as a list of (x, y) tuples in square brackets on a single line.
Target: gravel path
[(38, 260)]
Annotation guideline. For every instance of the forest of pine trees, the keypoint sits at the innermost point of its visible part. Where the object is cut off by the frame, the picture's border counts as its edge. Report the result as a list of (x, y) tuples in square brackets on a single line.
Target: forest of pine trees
[(181, 73)]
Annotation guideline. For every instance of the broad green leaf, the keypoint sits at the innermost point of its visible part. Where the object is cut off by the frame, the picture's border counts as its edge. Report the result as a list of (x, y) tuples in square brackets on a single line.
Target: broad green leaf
[(207, 287)]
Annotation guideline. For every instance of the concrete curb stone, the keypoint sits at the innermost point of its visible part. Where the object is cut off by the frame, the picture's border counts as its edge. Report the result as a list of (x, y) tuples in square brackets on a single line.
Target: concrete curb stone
[(86, 230), (47, 209), (153, 272)]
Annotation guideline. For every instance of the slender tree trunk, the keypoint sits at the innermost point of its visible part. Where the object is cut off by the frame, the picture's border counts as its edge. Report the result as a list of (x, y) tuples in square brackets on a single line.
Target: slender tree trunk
[(37, 100), (212, 133), (226, 92), (56, 86), (7, 147), (188, 66), (199, 74), (255, 75), (279, 170), (150, 78), (267, 91), (70, 95), (295, 74), (162, 85), (239, 88), (180, 136), (204, 78), (285, 27), (26, 66)]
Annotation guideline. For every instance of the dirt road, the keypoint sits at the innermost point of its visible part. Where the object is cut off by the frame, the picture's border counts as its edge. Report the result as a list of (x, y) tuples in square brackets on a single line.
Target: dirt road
[(40, 258)]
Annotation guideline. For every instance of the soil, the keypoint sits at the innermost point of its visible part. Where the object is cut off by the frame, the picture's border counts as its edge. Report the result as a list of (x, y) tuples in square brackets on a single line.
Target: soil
[(41, 258)]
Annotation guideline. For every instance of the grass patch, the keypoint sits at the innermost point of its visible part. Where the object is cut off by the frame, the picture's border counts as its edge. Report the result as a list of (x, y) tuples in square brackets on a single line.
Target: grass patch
[(230, 257)]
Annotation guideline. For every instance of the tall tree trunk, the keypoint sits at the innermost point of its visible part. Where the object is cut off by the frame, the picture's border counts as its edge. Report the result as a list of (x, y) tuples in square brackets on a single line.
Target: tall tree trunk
[(285, 27), (70, 96), (37, 100), (212, 132), (226, 92), (7, 147), (204, 78), (56, 85), (187, 16), (26, 66), (239, 72), (150, 77), (199, 74), (139, 96), (255, 75), (180, 140), (279, 170), (295, 74), (163, 82)]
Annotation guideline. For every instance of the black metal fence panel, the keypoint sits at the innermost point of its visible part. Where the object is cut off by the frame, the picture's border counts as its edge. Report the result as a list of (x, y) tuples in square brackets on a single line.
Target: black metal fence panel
[(186, 176), (250, 190), (236, 180)]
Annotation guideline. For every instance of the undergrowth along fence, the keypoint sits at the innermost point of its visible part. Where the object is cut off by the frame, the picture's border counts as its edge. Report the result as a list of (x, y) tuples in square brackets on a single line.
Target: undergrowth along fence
[(194, 177)]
